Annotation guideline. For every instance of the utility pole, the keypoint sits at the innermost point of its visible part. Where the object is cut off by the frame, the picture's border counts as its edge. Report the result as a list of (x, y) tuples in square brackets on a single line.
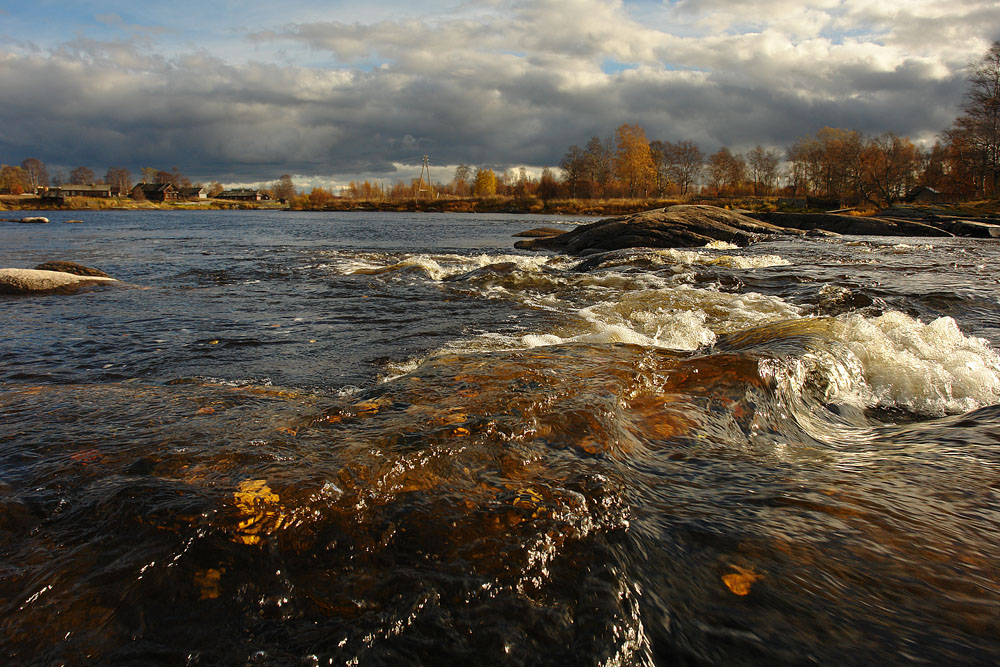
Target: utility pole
[(423, 186)]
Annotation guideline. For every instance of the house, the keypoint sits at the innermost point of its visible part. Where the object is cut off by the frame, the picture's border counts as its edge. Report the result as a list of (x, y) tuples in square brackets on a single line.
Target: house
[(75, 190), (244, 194), (193, 192), (155, 191), (926, 195)]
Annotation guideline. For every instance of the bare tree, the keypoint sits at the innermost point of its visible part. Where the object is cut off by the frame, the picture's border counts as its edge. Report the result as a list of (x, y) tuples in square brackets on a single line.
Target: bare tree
[(683, 162), (978, 127), (81, 176), (284, 189), (119, 179), (36, 173), (763, 169), (574, 166), (599, 161)]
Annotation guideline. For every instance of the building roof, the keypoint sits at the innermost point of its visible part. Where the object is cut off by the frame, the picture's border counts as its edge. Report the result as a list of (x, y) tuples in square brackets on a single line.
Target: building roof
[(155, 187), (85, 188)]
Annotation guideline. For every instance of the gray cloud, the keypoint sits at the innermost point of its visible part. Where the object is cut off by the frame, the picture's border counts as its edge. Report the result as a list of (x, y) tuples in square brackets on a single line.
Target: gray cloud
[(510, 84)]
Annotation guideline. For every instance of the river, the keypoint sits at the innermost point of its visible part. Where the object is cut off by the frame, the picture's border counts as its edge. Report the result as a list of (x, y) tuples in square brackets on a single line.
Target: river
[(380, 439)]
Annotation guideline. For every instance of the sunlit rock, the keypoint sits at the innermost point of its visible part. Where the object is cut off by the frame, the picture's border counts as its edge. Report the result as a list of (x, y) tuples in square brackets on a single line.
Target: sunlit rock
[(683, 226), (34, 281)]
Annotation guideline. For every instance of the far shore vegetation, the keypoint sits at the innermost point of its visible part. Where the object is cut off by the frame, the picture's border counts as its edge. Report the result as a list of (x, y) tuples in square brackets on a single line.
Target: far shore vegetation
[(833, 169)]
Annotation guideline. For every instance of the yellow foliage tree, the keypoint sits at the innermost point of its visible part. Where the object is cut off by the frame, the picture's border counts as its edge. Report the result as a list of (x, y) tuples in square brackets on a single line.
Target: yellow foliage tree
[(485, 184), (633, 162)]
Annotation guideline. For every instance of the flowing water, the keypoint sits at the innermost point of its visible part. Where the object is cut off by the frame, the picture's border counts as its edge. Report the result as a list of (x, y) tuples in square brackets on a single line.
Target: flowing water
[(303, 438)]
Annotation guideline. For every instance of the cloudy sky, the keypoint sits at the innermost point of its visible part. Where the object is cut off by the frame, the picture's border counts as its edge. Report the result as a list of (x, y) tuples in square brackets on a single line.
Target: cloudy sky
[(331, 90)]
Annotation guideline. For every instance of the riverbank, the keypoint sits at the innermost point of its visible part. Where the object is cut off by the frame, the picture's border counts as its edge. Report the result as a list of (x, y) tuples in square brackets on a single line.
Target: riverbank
[(975, 210)]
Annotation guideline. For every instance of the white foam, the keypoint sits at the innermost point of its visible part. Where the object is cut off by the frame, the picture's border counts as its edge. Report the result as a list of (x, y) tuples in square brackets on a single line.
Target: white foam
[(695, 257), (929, 368), (721, 245), (679, 318), (436, 267)]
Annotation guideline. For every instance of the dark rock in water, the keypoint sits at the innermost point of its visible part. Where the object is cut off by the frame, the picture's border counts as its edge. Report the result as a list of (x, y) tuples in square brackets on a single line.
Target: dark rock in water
[(71, 267), (34, 281), (683, 226), (974, 228), (850, 224), (488, 271), (540, 232)]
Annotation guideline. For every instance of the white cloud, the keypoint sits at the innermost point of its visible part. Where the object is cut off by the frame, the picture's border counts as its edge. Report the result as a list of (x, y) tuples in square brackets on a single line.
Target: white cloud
[(492, 83)]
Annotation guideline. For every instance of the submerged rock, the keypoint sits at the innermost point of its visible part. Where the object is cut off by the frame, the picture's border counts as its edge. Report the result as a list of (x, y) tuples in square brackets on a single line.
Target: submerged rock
[(682, 226), (32, 219), (34, 281)]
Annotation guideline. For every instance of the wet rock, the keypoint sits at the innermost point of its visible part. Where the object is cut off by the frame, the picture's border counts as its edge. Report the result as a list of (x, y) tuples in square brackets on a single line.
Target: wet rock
[(540, 232), (34, 220), (71, 267), (34, 281), (974, 228), (683, 226)]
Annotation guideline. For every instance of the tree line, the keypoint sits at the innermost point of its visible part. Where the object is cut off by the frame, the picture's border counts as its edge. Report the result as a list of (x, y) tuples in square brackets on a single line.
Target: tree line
[(835, 164), (842, 166), (33, 174)]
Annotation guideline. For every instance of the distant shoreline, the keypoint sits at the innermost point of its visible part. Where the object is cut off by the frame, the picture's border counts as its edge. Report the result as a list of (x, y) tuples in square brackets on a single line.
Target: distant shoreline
[(531, 206), (594, 207)]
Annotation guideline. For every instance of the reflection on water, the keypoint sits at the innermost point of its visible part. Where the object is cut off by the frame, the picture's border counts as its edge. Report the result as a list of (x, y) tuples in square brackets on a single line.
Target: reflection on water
[(634, 460), (608, 504)]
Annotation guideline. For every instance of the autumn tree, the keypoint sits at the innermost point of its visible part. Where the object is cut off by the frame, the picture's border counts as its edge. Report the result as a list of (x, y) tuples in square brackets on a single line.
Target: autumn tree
[(82, 176), (726, 170), (888, 168), (548, 186), (149, 174), (13, 179), (319, 197), (35, 172), (633, 160), (829, 163), (485, 183)]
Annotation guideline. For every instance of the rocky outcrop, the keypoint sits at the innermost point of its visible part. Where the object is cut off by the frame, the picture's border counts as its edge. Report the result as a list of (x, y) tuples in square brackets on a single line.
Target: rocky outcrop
[(850, 224), (682, 226), (35, 281), (974, 228), (71, 267)]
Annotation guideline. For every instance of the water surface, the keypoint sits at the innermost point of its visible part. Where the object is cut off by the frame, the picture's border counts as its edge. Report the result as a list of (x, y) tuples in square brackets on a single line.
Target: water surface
[(305, 438)]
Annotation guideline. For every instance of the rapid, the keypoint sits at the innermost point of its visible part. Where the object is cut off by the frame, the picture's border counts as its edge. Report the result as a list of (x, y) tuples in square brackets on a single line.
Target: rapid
[(367, 439)]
